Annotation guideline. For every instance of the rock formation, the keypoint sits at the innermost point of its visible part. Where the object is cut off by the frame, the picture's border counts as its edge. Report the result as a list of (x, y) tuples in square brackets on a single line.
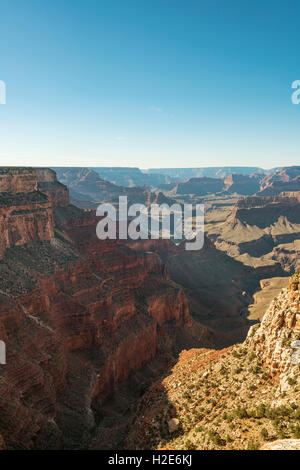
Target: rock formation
[(262, 232), (242, 184), (273, 339), (285, 179), (199, 186), (58, 194), (17, 180)]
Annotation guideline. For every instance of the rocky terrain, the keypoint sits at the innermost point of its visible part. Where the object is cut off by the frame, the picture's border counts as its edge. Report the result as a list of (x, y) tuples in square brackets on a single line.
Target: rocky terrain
[(89, 325), (243, 397)]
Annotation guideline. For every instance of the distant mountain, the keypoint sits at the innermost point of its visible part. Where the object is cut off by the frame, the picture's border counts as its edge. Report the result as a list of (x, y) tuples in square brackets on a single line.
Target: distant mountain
[(202, 186), (108, 182), (87, 189), (181, 174), (127, 176)]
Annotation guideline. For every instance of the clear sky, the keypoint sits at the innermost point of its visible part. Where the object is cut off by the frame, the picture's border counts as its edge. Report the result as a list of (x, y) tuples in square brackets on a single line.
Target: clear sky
[(149, 83)]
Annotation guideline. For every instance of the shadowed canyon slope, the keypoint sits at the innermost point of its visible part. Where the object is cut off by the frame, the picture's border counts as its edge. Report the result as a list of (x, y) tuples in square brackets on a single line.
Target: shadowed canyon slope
[(242, 397)]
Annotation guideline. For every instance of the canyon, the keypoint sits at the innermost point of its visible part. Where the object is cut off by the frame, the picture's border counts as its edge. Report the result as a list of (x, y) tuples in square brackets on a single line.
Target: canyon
[(78, 315), (90, 325)]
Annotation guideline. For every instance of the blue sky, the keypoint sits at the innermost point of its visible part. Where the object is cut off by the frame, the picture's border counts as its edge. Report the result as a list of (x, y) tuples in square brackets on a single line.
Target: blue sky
[(149, 83)]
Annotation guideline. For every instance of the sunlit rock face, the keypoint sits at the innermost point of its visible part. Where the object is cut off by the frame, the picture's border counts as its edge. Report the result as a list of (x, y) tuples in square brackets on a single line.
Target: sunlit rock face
[(27, 197)]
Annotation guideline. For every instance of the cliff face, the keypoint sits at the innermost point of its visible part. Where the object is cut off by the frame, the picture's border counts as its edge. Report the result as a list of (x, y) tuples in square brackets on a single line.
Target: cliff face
[(58, 194), (78, 316), (27, 197), (278, 333), (17, 180), (24, 217)]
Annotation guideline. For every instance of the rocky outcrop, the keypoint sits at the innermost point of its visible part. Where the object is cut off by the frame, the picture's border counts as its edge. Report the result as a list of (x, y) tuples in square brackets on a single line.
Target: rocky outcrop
[(242, 184), (282, 444), (278, 333), (199, 186), (27, 198), (58, 193), (24, 217), (285, 179)]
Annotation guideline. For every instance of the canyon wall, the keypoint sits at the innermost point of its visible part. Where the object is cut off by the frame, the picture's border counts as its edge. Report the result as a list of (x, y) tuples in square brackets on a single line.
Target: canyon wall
[(58, 194), (27, 198), (17, 180), (78, 316)]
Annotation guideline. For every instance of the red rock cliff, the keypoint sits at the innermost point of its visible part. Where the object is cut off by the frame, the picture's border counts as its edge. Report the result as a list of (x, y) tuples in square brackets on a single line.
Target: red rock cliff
[(27, 198)]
